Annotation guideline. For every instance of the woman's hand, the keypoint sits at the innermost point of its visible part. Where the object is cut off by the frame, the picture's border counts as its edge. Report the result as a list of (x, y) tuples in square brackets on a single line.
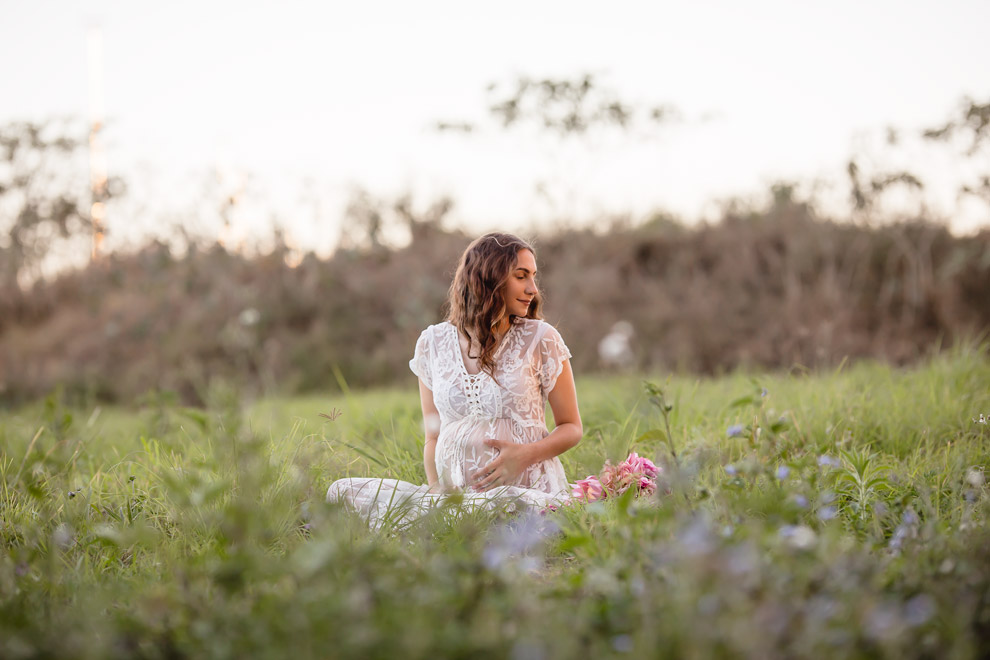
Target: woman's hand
[(505, 468)]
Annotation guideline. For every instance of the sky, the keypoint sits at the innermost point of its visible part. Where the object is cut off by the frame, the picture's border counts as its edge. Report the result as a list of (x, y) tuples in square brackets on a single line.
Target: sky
[(292, 105)]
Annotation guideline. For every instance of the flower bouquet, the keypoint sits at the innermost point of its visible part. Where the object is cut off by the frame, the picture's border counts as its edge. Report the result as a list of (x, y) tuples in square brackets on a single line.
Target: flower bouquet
[(634, 472)]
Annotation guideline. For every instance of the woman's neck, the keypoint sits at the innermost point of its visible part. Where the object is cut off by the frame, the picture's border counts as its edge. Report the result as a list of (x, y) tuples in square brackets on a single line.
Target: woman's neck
[(499, 331), (502, 328)]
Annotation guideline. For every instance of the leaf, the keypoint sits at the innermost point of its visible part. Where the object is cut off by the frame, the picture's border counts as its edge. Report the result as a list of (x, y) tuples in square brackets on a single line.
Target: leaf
[(777, 427), (197, 416), (107, 535), (742, 401), (365, 454), (572, 541), (652, 434)]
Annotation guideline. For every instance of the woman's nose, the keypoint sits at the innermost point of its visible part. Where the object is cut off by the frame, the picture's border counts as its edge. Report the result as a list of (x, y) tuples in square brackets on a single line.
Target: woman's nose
[(531, 289)]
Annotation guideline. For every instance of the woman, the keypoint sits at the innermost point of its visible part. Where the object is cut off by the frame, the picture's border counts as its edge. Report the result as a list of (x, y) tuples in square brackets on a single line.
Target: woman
[(485, 375)]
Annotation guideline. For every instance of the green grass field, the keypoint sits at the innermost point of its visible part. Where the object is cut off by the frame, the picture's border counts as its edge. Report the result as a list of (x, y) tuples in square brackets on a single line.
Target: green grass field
[(844, 516)]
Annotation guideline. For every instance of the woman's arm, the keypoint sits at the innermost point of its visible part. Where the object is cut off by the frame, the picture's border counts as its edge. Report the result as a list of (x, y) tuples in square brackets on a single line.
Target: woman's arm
[(431, 426), (514, 458)]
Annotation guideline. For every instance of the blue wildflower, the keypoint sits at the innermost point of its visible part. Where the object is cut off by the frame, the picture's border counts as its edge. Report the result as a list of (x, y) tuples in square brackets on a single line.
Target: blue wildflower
[(826, 513), (919, 610), (622, 643), (830, 461), (783, 472), (731, 470), (735, 430)]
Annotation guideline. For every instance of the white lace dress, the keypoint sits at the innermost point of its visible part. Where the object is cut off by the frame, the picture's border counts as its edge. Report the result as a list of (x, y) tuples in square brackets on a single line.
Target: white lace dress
[(474, 407)]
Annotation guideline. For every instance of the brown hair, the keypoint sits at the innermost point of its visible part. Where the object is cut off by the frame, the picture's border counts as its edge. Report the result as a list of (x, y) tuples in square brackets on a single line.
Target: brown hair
[(476, 294)]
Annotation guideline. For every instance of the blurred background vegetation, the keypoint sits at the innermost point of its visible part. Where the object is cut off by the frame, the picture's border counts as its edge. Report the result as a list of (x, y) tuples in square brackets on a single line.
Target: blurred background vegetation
[(774, 284)]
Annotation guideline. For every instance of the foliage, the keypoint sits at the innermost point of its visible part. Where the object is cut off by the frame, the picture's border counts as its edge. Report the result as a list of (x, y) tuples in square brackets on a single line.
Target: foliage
[(856, 527), (43, 196), (562, 106), (773, 287)]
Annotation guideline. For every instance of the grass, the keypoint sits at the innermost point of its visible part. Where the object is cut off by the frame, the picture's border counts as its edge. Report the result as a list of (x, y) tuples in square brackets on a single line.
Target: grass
[(846, 515)]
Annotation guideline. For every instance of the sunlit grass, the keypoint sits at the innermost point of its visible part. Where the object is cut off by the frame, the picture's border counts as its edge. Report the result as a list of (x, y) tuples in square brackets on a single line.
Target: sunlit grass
[(845, 513)]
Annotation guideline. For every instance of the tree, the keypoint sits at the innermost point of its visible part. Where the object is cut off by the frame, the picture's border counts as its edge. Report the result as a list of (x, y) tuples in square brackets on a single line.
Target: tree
[(565, 106), (43, 196), (970, 130)]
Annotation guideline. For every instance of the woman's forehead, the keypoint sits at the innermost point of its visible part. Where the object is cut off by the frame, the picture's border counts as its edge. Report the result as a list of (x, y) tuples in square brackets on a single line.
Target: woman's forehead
[(526, 259)]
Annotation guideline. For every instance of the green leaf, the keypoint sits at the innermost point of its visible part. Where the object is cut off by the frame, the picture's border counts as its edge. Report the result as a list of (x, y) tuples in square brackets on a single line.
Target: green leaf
[(571, 542), (196, 416), (652, 434), (365, 454)]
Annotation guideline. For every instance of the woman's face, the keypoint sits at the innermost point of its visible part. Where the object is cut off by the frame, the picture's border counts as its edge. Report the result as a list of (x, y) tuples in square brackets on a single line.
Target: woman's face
[(520, 289)]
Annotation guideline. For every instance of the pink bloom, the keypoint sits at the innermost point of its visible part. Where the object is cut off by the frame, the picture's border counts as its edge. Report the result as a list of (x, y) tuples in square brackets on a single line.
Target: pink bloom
[(642, 465), (647, 486), (588, 489)]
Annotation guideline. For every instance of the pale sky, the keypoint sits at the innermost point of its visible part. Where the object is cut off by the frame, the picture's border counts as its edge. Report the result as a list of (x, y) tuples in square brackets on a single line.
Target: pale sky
[(312, 98)]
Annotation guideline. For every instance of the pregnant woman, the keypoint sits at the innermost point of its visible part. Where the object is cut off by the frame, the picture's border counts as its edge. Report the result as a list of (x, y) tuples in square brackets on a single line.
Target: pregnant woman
[(485, 376)]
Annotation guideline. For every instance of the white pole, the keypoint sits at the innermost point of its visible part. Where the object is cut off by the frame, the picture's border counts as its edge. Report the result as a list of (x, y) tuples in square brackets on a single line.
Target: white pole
[(97, 155)]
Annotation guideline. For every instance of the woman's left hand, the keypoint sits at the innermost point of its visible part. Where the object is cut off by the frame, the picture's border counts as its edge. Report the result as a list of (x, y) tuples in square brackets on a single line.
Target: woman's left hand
[(505, 468)]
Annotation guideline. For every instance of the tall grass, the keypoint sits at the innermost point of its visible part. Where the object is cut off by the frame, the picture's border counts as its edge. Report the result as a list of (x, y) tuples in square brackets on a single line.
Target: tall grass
[(839, 513)]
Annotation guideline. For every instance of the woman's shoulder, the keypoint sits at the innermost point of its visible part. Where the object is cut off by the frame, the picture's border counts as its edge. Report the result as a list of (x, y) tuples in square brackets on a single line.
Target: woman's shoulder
[(538, 328), (435, 330)]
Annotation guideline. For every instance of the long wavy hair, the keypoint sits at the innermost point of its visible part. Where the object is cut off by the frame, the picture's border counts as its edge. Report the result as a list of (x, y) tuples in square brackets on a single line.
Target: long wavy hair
[(476, 300)]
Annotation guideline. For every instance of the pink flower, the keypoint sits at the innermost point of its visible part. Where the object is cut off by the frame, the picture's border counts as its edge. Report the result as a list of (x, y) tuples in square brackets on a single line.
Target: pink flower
[(642, 465), (647, 486), (588, 489)]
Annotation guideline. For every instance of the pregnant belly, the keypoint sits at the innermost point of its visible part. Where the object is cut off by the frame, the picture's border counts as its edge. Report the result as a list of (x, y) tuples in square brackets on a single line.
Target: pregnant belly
[(461, 449)]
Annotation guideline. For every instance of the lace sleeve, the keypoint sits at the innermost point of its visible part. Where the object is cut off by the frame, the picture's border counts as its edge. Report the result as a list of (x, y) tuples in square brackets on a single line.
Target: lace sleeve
[(420, 364), (553, 352)]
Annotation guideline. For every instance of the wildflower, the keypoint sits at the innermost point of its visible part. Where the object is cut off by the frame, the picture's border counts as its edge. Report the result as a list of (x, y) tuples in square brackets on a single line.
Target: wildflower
[(696, 536), (551, 507), (801, 537), (827, 513), (783, 472), (734, 430), (72, 494), (800, 500), (906, 530), (588, 489), (62, 536), (514, 543), (622, 643), (830, 461), (983, 419), (763, 392), (974, 477), (731, 470), (919, 610), (883, 622)]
